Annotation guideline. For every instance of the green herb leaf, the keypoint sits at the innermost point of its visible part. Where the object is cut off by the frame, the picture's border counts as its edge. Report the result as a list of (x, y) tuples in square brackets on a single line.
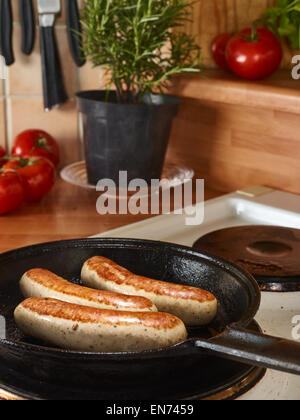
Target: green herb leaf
[(135, 42), (284, 20)]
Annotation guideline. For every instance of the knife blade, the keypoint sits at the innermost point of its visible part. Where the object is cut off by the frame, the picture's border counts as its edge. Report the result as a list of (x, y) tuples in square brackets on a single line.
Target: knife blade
[(53, 84)]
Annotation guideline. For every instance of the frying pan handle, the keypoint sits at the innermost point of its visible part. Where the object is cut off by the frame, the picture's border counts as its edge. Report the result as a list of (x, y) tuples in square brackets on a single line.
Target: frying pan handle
[(74, 32), (54, 90), (6, 29), (256, 349), (27, 24)]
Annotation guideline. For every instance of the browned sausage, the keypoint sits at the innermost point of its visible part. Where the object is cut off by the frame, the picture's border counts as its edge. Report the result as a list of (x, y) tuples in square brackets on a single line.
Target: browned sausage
[(194, 306), (87, 329), (43, 283)]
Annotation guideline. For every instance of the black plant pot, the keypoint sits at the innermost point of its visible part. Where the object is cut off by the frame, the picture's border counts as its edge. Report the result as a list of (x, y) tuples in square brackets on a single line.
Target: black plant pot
[(124, 137)]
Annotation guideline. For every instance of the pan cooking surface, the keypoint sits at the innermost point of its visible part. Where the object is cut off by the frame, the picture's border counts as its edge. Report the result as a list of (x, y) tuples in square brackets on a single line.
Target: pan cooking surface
[(230, 379), (159, 261), (52, 373)]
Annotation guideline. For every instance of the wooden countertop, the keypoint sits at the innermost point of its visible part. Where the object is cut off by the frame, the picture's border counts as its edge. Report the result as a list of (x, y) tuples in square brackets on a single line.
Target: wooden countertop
[(67, 212), (279, 92)]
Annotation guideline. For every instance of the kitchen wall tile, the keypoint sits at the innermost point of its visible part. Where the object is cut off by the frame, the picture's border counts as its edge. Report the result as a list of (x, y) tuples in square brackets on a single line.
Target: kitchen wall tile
[(25, 75), (23, 91), (2, 123), (15, 10), (28, 113), (91, 78)]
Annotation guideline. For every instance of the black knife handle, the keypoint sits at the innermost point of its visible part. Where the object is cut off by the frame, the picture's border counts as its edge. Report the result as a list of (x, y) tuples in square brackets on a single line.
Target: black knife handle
[(54, 90), (74, 32), (6, 30), (28, 25)]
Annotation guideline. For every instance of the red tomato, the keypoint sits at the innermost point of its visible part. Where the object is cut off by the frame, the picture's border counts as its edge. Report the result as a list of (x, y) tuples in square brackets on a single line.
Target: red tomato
[(218, 48), (37, 173), (36, 143), (2, 155), (12, 194), (256, 57), (2, 152)]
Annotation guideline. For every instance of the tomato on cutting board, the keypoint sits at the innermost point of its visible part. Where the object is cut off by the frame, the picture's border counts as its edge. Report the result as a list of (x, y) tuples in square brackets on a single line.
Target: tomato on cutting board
[(36, 143), (38, 175), (254, 53), (218, 48), (12, 194)]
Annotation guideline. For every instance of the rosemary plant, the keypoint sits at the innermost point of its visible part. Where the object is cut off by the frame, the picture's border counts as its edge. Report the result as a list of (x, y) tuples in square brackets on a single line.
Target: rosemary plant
[(140, 43)]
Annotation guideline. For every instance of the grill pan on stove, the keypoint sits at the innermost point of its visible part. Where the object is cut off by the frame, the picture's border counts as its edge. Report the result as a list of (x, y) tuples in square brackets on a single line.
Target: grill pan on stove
[(30, 364)]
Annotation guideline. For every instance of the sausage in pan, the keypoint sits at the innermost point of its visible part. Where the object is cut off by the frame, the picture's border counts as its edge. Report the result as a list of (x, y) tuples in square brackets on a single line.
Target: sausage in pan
[(194, 306), (43, 283), (82, 328)]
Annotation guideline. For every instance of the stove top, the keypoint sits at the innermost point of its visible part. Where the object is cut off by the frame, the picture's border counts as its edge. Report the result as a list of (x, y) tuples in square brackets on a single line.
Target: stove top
[(253, 206), (278, 312), (269, 253)]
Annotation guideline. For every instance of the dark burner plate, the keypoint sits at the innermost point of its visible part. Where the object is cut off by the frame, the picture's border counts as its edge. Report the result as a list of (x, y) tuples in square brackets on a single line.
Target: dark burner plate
[(279, 284), (270, 253), (226, 381)]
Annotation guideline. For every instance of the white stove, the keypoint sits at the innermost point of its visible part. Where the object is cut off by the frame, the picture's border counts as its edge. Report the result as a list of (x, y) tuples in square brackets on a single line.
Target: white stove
[(254, 206)]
